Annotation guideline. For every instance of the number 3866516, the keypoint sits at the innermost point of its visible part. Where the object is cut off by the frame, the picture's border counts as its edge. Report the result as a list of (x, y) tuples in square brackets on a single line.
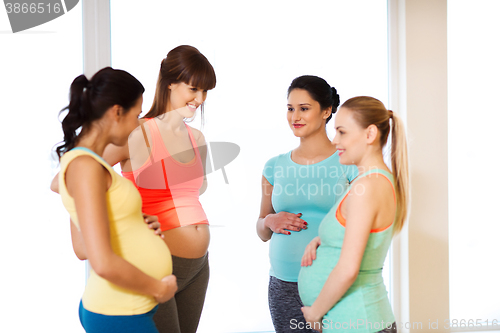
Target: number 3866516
[(33, 8)]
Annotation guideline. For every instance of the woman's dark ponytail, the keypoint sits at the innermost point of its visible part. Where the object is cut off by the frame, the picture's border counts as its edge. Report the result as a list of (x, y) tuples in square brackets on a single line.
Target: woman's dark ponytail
[(89, 100), (76, 115)]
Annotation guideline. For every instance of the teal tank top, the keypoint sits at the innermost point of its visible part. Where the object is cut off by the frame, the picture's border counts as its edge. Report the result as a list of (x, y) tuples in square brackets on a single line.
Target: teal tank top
[(365, 306), (308, 189)]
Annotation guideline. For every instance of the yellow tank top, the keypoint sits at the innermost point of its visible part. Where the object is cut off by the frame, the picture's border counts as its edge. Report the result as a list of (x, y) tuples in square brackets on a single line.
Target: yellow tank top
[(131, 239)]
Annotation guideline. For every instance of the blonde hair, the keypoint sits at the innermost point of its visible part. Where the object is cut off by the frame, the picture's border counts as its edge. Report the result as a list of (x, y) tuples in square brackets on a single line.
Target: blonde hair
[(370, 111)]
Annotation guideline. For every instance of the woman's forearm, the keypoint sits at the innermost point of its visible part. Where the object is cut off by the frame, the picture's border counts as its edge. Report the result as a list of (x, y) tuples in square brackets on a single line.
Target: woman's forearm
[(120, 272), (262, 230)]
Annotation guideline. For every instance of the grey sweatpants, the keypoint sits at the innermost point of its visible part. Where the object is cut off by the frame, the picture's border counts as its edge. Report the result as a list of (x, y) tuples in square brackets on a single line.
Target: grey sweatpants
[(182, 313)]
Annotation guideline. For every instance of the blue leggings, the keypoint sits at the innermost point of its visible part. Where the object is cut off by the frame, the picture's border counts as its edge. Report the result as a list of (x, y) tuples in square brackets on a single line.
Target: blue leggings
[(97, 323)]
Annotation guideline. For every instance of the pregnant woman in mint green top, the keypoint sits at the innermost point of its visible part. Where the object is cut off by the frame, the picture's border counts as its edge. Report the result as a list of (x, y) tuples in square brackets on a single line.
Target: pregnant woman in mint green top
[(341, 282)]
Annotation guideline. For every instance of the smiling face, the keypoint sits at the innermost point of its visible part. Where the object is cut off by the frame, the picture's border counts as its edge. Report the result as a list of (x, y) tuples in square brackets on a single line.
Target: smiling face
[(185, 99), (305, 116), (350, 138)]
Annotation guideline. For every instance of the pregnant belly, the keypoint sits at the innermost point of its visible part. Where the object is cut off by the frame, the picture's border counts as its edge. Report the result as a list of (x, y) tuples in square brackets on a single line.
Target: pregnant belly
[(286, 251), (190, 241), (145, 250), (312, 278)]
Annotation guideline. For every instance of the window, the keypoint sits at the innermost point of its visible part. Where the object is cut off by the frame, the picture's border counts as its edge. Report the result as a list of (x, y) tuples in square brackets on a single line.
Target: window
[(256, 48), (473, 73)]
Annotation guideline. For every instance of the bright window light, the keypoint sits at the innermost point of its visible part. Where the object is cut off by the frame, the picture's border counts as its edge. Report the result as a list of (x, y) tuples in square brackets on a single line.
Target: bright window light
[(256, 48), (473, 118)]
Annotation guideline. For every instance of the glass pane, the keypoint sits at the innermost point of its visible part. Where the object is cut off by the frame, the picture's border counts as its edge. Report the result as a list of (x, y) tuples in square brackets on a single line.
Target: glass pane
[(42, 281), (256, 48), (473, 71)]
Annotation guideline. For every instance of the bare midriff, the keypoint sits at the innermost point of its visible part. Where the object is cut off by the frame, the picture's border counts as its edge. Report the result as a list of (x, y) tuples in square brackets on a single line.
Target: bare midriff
[(190, 241)]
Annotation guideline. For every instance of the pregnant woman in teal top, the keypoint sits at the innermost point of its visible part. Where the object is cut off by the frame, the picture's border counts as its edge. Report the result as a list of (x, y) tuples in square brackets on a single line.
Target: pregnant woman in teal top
[(341, 282), (298, 189)]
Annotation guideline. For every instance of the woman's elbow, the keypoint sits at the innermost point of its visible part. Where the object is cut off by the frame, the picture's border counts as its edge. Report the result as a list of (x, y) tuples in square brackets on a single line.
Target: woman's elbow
[(81, 255), (264, 239), (203, 187), (262, 231), (351, 274), (54, 186)]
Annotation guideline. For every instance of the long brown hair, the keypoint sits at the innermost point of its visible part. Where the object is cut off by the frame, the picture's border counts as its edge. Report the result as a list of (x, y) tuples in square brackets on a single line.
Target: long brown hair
[(370, 111), (182, 64)]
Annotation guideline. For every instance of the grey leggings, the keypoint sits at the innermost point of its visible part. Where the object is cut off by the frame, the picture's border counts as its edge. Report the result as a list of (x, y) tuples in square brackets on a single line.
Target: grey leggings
[(182, 313), (392, 329), (285, 304)]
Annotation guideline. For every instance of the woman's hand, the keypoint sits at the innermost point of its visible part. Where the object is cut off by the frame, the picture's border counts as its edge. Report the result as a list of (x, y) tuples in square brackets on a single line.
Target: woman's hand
[(310, 252), (168, 289), (282, 222), (312, 319), (152, 222)]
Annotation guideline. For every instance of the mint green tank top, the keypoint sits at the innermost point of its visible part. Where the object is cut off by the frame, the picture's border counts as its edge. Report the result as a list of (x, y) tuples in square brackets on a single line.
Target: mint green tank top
[(365, 306)]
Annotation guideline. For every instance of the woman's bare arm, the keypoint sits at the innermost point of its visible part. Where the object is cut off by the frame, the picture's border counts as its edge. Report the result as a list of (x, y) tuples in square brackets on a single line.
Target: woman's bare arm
[(202, 147), (87, 182), (269, 222)]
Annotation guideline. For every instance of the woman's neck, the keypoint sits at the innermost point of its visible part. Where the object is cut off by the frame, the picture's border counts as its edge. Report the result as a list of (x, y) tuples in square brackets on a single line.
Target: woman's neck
[(172, 120), (316, 144), (94, 140), (374, 160)]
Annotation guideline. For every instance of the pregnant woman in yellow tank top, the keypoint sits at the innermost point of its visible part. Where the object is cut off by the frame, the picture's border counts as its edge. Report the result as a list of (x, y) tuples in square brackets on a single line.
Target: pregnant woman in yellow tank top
[(131, 266)]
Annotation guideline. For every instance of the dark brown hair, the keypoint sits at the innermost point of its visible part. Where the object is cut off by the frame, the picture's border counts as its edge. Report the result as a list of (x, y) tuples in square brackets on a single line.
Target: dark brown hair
[(182, 64), (319, 90), (89, 101)]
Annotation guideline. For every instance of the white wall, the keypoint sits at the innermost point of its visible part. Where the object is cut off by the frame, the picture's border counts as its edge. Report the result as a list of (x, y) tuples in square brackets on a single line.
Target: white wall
[(41, 280)]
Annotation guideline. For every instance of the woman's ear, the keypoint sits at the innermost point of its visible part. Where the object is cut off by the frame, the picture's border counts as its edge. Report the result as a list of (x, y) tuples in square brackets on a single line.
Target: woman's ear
[(115, 112), (327, 113), (371, 133)]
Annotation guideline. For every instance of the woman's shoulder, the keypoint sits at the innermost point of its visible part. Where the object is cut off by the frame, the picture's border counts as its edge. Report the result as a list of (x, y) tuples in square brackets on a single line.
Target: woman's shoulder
[(373, 184), (278, 159), (82, 154), (198, 135), (282, 157), (84, 163)]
